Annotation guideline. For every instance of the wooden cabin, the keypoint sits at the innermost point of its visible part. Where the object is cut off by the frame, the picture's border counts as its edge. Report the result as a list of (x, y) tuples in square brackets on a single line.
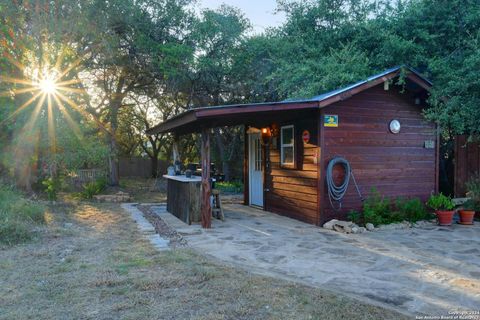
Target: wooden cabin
[(289, 144)]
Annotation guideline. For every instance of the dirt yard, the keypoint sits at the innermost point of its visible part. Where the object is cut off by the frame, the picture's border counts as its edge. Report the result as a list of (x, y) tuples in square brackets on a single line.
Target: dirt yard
[(90, 262)]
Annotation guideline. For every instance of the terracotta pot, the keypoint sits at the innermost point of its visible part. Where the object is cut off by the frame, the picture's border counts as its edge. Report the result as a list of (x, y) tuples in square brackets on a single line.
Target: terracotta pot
[(466, 216), (445, 218)]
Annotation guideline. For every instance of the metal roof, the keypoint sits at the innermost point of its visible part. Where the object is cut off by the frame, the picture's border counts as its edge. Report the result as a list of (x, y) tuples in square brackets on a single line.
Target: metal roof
[(315, 99)]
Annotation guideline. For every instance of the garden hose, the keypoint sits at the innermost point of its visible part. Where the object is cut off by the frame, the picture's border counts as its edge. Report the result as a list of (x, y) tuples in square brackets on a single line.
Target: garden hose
[(336, 193)]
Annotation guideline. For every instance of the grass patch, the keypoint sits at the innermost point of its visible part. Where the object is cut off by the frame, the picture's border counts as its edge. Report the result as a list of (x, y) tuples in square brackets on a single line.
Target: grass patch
[(18, 216)]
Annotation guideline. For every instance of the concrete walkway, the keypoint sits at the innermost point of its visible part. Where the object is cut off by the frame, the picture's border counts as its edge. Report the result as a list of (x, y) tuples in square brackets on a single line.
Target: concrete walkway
[(427, 271)]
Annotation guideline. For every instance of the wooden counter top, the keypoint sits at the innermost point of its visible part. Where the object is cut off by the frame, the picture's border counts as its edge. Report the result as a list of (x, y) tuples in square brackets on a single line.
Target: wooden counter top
[(183, 178)]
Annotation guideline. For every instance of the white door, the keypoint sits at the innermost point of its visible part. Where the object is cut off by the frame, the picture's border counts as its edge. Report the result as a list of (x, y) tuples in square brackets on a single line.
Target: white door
[(255, 165)]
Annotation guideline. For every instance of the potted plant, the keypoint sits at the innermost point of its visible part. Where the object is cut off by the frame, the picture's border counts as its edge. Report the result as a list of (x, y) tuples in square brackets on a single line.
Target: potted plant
[(467, 213), (443, 207)]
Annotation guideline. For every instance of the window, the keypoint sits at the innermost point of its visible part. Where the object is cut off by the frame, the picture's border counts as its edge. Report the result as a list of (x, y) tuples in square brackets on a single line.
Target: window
[(287, 146)]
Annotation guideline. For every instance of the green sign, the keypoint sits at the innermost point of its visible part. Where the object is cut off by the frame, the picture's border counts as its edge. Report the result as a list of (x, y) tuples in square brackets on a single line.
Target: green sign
[(330, 120)]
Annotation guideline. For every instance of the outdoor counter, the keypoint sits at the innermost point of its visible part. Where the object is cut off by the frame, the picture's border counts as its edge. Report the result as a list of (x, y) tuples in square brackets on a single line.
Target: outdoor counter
[(183, 197)]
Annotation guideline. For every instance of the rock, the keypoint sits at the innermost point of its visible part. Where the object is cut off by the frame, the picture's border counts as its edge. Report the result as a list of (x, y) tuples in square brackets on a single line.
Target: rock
[(329, 225), (361, 229), (370, 226), (355, 230), (348, 229), (344, 223)]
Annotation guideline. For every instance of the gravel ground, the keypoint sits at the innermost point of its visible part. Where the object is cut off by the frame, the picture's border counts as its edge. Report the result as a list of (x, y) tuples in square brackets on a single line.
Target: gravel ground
[(176, 239)]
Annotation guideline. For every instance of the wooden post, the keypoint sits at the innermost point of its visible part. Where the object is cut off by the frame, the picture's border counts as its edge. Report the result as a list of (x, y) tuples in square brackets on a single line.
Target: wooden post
[(206, 207)]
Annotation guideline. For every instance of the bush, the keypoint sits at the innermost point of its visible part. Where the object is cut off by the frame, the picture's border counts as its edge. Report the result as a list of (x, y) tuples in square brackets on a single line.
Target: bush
[(412, 210), (229, 187), (18, 216), (473, 187), (380, 210), (93, 188), (355, 216), (52, 186), (376, 209)]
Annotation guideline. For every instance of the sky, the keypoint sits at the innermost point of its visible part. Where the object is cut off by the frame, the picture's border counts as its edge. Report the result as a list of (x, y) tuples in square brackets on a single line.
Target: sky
[(259, 12)]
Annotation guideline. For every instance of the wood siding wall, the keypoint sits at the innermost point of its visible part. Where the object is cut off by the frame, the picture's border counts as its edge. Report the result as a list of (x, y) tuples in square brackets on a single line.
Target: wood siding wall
[(293, 192), (395, 164), (467, 163)]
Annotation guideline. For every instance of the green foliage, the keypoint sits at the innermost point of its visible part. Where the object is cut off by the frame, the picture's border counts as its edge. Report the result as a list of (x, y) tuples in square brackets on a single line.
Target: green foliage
[(473, 192), (473, 188), (355, 216), (440, 202), (412, 209), (93, 188), (18, 216), (52, 186), (229, 186), (376, 209), (381, 210)]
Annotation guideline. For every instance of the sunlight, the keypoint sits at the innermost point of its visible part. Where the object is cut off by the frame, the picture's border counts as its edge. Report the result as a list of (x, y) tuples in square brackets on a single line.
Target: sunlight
[(48, 86), (42, 84)]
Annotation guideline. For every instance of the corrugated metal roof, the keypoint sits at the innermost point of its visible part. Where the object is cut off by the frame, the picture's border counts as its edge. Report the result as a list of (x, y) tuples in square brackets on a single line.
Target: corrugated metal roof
[(315, 99), (332, 93)]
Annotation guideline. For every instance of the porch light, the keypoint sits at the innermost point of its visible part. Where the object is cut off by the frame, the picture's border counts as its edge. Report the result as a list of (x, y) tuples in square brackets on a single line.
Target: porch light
[(266, 134)]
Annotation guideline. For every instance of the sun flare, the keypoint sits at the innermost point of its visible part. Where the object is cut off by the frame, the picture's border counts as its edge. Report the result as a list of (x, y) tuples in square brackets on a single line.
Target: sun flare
[(47, 86)]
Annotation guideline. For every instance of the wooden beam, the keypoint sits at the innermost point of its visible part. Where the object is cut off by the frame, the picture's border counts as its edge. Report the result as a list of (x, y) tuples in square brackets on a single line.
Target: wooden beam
[(206, 207), (246, 195), (321, 168)]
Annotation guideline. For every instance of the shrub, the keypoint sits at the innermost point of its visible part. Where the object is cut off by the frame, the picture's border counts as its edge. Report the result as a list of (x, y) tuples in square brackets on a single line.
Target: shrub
[(18, 216), (355, 216), (52, 186), (376, 209), (380, 210), (230, 186), (440, 202), (473, 187), (93, 188), (412, 210)]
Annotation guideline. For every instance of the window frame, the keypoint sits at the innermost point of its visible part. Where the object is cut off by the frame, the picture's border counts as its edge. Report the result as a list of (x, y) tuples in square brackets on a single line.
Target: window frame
[(289, 145)]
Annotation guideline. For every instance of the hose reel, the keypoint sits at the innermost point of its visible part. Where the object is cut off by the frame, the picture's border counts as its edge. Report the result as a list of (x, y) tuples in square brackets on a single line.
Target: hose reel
[(337, 192)]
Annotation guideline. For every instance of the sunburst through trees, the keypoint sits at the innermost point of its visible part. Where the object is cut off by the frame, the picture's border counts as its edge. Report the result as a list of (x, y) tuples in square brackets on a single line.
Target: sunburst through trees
[(45, 87)]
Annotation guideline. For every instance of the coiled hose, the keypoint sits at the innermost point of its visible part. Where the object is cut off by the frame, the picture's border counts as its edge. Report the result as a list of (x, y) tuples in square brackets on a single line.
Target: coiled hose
[(336, 193)]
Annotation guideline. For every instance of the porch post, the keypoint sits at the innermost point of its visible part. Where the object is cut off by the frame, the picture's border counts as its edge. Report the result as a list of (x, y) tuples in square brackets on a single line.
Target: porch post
[(206, 208)]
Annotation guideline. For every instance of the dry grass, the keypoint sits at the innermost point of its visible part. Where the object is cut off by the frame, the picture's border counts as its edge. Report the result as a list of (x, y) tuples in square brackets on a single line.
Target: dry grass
[(90, 263)]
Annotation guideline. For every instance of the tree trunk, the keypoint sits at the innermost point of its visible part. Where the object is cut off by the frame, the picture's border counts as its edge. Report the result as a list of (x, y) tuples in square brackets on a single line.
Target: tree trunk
[(154, 161), (114, 179)]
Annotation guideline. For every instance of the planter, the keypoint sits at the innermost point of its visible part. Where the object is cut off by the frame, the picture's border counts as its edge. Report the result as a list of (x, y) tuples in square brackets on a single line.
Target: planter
[(445, 218), (466, 216)]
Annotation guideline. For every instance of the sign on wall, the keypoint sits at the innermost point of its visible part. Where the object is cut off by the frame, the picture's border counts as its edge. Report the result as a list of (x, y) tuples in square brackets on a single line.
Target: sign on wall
[(306, 136), (330, 120)]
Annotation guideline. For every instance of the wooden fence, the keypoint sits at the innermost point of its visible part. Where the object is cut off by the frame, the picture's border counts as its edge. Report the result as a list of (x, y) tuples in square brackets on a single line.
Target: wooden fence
[(140, 167), (467, 163)]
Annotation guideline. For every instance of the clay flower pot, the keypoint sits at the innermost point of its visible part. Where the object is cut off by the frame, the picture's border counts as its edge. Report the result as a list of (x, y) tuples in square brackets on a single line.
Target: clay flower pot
[(466, 216), (445, 217)]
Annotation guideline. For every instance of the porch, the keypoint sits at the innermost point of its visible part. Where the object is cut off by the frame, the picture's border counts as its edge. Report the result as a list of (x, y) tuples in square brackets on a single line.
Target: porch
[(430, 270)]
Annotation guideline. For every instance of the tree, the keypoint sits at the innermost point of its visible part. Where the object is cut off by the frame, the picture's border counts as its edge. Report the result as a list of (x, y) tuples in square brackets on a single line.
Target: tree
[(135, 47)]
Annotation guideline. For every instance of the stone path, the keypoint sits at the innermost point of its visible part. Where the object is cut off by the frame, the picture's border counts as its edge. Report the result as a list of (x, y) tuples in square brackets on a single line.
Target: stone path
[(419, 271), (145, 227)]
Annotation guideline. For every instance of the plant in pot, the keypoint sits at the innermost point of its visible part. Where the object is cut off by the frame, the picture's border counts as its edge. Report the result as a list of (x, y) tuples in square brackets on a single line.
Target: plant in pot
[(467, 213), (443, 207)]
